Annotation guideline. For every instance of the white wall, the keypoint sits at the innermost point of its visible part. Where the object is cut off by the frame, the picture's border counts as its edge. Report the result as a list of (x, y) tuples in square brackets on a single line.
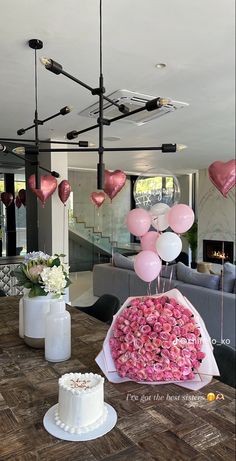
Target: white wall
[(53, 218), (216, 214)]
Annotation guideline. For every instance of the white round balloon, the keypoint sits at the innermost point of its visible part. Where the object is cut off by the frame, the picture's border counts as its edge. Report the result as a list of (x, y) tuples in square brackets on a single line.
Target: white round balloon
[(169, 246), (159, 216)]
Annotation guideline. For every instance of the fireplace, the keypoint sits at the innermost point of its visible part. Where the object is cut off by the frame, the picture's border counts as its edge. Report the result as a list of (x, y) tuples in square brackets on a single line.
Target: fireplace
[(217, 251)]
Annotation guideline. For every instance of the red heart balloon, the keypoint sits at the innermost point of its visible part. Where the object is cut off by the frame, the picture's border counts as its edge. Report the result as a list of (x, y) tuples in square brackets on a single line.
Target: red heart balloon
[(6, 198), (48, 185), (114, 181), (98, 198), (64, 190), (222, 175)]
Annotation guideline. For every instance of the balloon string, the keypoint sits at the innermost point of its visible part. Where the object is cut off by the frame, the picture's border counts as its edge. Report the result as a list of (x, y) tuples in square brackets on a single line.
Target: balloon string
[(98, 214), (171, 274), (149, 289), (63, 234), (164, 283), (158, 284), (222, 296)]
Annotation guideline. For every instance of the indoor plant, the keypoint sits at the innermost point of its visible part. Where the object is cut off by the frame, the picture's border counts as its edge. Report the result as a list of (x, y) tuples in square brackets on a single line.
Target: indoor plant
[(191, 237)]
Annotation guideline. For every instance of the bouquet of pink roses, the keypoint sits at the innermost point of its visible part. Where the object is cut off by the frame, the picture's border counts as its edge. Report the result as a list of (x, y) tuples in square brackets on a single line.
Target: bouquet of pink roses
[(158, 339)]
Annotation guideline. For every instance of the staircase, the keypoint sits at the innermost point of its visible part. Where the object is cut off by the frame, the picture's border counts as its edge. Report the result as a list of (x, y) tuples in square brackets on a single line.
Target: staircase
[(91, 235)]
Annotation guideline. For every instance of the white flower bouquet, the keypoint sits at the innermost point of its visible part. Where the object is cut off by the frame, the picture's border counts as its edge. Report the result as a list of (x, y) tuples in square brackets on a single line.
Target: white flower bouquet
[(42, 274)]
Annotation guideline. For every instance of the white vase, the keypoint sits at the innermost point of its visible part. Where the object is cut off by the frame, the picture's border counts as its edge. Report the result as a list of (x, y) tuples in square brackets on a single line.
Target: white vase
[(21, 318), (35, 310), (58, 333)]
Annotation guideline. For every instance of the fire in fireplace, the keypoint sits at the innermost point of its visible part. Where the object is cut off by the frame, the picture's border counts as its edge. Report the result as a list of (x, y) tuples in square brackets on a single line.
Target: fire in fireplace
[(218, 251)]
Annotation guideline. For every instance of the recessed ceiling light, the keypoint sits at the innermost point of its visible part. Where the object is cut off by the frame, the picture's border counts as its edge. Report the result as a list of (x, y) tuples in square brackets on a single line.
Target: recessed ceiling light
[(112, 138), (160, 65)]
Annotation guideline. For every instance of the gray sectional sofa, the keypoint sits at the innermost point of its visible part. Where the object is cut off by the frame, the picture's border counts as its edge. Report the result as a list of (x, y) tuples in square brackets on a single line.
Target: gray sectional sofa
[(123, 283)]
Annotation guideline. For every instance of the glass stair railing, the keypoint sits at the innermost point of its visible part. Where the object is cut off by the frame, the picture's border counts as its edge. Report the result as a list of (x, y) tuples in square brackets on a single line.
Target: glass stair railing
[(90, 235)]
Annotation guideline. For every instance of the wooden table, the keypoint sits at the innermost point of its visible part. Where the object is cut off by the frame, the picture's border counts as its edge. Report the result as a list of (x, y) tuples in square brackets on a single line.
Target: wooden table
[(154, 422)]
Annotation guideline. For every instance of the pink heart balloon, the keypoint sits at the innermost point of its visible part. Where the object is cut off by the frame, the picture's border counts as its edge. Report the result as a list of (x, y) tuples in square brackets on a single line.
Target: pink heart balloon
[(222, 175), (98, 198), (7, 198), (48, 185), (64, 190), (114, 181), (18, 202), (22, 196)]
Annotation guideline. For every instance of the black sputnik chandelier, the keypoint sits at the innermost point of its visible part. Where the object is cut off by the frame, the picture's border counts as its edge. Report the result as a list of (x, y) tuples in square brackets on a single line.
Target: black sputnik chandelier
[(80, 146)]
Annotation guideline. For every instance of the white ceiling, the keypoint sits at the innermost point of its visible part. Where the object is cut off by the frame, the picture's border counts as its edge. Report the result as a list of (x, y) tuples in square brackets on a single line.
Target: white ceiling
[(194, 38)]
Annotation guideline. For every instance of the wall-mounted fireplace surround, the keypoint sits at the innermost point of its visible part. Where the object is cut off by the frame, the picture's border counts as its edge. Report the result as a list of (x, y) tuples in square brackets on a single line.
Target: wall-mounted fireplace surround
[(218, 251)]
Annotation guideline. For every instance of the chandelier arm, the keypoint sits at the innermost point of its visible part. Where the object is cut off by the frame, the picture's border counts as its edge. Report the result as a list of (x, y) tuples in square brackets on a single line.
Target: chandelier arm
[(172, 148), (53, 173), (114, 119)]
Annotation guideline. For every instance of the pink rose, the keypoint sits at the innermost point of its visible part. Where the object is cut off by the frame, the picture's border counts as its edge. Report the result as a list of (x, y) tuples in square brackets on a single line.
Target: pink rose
[(201, 355), (176, 313), (165, 336), (145, 329), (168, 375), (172, 301), (186, 353), (157, 327)]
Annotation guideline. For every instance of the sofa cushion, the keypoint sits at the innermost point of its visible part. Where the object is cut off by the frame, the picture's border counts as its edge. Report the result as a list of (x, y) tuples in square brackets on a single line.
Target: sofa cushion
[(227, 280), (122, 261), (166, 271), (187, 275)]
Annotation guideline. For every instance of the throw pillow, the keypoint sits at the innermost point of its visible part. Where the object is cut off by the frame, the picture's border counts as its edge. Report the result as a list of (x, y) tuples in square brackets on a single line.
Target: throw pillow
[(228, 278), (187, 275), (122, 261), (167, 270)]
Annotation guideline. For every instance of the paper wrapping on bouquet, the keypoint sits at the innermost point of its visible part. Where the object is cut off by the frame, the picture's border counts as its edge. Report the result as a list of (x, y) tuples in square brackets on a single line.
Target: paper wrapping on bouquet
[(203, 375)]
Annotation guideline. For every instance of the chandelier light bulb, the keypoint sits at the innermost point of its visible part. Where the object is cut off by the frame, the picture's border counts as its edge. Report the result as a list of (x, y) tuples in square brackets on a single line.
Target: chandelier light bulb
[(181, 147), (45, 61), (2, 148), (164, 101), (51, 65), (19, 150), (66, 110), (86, 144)]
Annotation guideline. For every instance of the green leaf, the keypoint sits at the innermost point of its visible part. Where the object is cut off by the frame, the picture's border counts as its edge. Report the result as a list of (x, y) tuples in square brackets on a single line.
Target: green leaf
[(37, 290), (56, 262), (28, 284)]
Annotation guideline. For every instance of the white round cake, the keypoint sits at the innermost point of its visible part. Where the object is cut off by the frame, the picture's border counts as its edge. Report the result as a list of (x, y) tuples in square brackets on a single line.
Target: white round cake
[(81, 402)]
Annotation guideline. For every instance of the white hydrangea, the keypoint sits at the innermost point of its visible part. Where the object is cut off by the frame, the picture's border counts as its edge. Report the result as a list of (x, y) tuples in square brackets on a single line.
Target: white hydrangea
[(53, 279)]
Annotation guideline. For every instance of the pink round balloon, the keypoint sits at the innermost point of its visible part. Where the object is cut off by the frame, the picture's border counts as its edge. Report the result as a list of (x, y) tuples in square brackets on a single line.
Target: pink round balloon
[(147, 265), (181, 218), (148, 241), (138, 221)]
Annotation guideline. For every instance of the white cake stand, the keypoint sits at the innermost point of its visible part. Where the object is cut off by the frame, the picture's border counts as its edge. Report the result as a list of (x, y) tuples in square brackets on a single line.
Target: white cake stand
[(51, 427)]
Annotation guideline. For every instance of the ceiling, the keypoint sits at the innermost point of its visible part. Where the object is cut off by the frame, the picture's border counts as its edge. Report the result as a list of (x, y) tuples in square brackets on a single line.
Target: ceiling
[(194, 39)]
